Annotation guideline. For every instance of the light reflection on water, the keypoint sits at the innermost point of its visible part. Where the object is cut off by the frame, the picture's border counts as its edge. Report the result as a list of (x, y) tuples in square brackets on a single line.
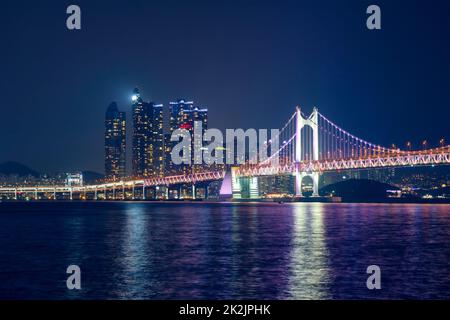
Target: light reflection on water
[(309, 265), (224, 251)]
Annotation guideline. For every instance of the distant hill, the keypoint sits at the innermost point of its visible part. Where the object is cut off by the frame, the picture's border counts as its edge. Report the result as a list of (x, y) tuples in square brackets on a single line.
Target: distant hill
[(11, 168), (91, 176), (15, 168), (358, 189)]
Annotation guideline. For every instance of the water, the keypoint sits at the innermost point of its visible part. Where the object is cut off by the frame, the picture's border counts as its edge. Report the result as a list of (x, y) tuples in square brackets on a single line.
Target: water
[(224, 251)]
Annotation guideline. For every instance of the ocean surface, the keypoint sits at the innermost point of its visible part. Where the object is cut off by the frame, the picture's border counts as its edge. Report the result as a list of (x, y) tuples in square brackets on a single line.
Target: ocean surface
[(138, 250)]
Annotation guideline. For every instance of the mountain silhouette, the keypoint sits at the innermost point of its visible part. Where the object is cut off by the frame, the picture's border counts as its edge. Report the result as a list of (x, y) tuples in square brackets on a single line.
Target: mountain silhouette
[(359, 189), (15, 168)]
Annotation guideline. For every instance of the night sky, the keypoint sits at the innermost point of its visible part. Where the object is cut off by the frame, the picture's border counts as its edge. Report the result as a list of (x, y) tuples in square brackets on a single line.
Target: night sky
[(249, 62)]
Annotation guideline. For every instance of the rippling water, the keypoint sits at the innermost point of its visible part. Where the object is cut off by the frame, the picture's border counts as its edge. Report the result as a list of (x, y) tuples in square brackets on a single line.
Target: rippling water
[(224, 251)]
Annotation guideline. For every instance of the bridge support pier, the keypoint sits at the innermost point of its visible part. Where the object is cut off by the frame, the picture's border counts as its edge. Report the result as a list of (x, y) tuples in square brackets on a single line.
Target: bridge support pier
[(315, 177), (299, 179), (298, 184), (206, 187), (301, 122)]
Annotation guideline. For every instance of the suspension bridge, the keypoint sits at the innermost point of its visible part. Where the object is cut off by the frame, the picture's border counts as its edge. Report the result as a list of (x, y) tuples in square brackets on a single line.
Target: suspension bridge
[(308, 146), (311, 145)]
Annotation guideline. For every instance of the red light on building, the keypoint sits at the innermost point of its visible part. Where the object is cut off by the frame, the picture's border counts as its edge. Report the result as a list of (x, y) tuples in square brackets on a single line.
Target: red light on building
[(186, 126)]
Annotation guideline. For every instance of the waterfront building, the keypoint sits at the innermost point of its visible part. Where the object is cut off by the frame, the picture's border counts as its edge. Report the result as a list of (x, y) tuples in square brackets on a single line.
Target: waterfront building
[(179, 111), (157, 139), (141, 134), (148, 137), (183, 115), (74, 179), (115, 142)]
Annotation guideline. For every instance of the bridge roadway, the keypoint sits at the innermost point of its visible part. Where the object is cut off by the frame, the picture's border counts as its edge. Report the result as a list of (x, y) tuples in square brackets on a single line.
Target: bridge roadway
[(432, 157), (115, 187)]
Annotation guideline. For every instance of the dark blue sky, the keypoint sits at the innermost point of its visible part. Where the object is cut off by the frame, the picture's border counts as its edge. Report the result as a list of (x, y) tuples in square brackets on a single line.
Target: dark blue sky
[(250, 62)]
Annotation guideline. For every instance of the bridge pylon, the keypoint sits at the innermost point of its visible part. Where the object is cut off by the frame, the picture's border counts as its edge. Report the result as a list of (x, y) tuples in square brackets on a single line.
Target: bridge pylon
[(300, 122)]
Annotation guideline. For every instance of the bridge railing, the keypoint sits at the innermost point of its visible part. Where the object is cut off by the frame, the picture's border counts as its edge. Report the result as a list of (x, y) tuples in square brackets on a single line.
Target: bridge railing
[(389, 159)]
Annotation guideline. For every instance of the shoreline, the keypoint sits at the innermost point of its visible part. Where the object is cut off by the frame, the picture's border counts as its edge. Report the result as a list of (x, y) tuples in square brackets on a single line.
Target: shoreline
[(248, 201)]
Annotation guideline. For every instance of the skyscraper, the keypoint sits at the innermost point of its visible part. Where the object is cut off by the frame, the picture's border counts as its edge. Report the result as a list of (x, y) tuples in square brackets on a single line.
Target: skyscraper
[(169, 167), (179, 118), (197, 115), (141, 134), (179, 113), (157, 139), (115, 145), (183, 114), (148, 138)]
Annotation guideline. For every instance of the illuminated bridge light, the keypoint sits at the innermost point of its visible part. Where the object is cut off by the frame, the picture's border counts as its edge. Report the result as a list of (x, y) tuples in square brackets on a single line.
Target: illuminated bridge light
[(324, 148)]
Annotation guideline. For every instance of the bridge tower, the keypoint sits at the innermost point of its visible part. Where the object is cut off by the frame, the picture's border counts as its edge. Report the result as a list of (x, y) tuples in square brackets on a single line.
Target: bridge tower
[(313, 122)]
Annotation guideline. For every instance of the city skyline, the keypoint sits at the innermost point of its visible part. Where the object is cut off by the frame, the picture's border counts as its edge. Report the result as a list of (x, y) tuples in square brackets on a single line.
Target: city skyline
[(152, 129), (233, 153), (255, 66), (306, 148), (166, 123)]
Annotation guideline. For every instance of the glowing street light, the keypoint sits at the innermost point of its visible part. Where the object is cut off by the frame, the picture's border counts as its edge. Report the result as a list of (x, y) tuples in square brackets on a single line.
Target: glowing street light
[(409, 145)]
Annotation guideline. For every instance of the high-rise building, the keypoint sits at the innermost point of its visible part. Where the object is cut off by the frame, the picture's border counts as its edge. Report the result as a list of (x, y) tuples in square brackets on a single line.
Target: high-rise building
[(197, 115), (157, 139), (179, 113), (115, 146), (148, 138), (183, 114), (169, 167), (141, 134)]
